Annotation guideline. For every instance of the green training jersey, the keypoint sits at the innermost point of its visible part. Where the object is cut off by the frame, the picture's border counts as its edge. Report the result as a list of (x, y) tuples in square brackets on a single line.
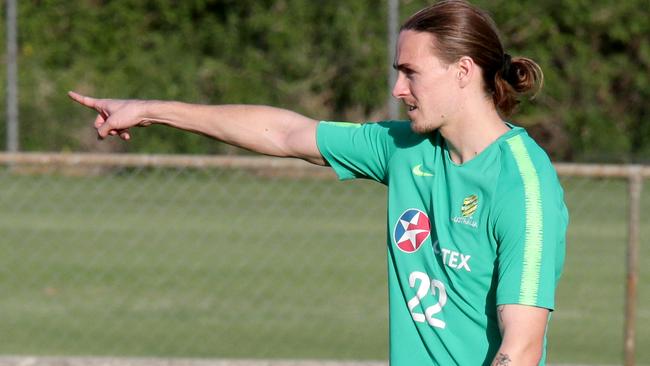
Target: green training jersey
[(462, 238)]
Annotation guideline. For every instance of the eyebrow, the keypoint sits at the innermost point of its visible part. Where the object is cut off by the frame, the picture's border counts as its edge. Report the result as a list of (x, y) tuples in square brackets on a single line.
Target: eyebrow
[(403, 67)]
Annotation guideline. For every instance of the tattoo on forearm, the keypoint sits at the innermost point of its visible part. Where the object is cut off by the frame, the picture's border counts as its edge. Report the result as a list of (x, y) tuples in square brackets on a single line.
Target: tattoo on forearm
[(502, 360)]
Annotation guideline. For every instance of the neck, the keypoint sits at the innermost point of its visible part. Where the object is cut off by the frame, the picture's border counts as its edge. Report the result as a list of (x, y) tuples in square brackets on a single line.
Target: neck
[(472, 132)]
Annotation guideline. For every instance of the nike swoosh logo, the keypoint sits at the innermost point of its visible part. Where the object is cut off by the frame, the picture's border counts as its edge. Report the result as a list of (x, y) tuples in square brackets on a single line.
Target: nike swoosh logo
[(417, 170)]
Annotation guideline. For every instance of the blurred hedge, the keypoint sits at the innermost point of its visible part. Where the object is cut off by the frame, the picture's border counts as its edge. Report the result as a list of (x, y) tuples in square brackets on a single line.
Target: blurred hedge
[(325, 59)]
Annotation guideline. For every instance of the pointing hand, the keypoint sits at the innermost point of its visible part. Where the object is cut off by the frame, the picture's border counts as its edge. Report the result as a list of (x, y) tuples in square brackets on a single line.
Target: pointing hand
[(115, 116)]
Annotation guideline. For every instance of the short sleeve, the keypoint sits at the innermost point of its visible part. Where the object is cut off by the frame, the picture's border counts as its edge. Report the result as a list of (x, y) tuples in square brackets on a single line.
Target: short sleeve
[(530, 228), (356, 150)]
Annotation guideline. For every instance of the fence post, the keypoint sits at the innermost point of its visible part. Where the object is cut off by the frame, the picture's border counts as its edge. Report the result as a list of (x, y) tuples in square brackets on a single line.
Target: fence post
[(635, 183), (12, 78), (393, 29)]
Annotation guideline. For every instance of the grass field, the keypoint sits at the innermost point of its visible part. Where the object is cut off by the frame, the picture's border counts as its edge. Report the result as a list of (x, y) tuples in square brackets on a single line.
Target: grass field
[(231, 264)]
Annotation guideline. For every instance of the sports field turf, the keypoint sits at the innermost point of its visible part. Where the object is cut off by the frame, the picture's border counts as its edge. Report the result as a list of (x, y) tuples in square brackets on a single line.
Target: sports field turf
[(234, 264)]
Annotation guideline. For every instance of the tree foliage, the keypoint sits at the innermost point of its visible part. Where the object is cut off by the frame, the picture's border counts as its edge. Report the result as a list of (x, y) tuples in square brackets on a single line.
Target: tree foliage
[(325, 59)]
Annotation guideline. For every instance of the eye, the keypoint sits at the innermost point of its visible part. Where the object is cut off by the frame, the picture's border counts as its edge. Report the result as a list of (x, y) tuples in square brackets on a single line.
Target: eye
[(409, 73), (405, 70)]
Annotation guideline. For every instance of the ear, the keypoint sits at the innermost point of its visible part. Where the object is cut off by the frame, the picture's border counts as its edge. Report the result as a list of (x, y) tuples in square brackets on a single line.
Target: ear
[(466, 70)]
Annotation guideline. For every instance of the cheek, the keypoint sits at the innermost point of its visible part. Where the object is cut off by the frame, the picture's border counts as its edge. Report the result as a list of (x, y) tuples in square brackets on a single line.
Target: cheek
[(444, 97)]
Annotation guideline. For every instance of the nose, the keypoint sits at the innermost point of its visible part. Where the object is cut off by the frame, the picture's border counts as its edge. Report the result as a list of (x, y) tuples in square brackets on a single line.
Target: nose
[(400, 89)]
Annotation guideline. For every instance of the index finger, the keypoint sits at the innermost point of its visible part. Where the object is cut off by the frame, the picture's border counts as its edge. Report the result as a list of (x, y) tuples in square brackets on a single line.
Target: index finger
[(82, 99)]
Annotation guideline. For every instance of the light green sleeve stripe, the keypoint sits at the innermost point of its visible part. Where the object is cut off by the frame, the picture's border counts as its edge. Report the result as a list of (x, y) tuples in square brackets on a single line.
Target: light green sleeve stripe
[(343, 124), (534, 227)]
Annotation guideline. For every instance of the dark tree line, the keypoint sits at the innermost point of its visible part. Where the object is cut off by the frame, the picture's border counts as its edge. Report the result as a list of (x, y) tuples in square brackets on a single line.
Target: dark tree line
[(325, 59)]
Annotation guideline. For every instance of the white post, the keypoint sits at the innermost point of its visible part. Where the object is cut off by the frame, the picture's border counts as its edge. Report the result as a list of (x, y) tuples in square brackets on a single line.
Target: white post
[(12, 78), (393, 28)]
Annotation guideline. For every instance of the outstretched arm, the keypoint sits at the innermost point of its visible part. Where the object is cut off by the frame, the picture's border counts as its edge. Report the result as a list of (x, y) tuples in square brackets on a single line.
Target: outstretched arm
[(522, 328), (263, 129)]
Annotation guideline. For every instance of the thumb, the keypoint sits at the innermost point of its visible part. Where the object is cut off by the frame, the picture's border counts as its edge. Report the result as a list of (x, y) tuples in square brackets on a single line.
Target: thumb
[(110, 125)]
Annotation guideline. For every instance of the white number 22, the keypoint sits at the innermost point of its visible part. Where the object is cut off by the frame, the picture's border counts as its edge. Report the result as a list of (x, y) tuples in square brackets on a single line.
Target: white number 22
[(422, 291)]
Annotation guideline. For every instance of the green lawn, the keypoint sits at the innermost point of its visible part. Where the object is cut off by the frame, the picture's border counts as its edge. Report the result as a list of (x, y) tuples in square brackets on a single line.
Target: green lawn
[(588, 324), (232, 264)]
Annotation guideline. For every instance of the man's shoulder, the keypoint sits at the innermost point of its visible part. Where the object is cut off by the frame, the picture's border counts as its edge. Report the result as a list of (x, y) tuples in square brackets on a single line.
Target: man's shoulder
[(399, 133), (523, 168), (397, 129), (522, 156)]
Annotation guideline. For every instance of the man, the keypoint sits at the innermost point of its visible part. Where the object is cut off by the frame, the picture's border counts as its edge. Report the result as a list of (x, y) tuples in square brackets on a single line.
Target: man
[(476, 214)]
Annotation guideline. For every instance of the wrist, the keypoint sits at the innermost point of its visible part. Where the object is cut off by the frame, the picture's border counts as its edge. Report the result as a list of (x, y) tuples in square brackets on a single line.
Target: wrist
[(154, 112)]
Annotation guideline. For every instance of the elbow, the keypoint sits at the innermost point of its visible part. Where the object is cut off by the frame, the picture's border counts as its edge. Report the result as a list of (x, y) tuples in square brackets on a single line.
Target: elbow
[(523, 328)]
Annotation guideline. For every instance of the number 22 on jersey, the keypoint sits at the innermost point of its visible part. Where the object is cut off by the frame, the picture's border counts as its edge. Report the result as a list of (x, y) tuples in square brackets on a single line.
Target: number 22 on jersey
[(424, 284)]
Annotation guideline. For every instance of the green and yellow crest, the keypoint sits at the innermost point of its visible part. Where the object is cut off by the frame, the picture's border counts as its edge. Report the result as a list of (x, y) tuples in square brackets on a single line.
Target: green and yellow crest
[(470, 204)]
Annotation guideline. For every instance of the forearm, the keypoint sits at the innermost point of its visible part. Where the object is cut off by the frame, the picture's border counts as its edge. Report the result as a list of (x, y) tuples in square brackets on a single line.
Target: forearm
[(522, 330), (258, 128)]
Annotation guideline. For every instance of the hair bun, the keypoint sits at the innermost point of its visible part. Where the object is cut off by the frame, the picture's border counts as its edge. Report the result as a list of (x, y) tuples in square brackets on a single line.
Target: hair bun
[(518, 75)]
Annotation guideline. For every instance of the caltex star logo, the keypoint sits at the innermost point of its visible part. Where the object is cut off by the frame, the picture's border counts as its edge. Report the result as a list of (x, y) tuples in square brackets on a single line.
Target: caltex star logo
[(411, 230)]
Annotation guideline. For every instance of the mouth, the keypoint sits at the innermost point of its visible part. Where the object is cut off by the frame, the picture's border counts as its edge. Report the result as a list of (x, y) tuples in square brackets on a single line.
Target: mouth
[(411, 107)]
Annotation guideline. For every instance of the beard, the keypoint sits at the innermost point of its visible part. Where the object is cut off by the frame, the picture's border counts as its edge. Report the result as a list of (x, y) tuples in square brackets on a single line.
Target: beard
[(423, 127)]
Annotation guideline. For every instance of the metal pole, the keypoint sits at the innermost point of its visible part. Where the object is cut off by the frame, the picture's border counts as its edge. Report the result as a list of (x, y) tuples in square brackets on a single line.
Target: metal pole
[(12, 78), (634, 221), (393, 28)]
